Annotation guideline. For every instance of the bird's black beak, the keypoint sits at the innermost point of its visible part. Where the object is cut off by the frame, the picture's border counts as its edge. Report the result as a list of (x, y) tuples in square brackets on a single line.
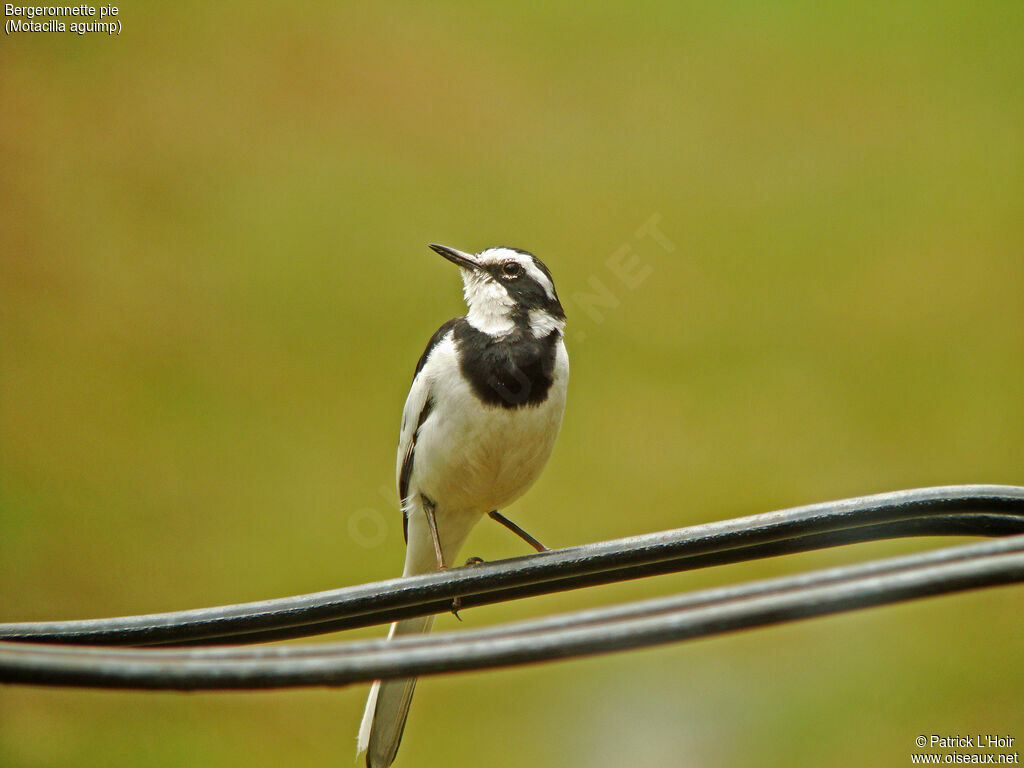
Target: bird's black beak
[(464, 260)]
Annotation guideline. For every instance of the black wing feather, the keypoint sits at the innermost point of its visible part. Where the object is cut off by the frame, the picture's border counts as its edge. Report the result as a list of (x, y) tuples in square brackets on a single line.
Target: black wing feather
[(406, 474)]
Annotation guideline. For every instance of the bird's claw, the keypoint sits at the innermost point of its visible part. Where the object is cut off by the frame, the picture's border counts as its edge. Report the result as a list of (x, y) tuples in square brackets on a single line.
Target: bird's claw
[(475, 561)]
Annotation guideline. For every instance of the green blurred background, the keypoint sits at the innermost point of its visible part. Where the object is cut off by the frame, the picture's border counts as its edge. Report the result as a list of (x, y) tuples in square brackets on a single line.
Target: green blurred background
[(215, 285)]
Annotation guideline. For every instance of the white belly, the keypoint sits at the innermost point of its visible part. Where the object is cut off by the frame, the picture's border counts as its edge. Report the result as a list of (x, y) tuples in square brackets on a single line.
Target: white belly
[(474, 458)]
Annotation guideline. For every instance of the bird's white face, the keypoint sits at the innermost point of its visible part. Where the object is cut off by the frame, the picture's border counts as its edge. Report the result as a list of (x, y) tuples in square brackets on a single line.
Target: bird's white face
[(489, 302), (505, 283)]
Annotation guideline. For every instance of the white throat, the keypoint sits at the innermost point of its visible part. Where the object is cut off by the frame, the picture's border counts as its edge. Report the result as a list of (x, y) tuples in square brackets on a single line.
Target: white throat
[(490, 306)]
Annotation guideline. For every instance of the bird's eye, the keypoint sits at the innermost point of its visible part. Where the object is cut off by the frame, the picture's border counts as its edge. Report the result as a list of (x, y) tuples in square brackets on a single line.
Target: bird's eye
[(512, 269)]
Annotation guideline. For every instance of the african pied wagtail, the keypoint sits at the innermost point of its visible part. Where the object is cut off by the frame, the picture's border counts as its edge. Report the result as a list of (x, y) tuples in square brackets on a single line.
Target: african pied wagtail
[(478, 426)]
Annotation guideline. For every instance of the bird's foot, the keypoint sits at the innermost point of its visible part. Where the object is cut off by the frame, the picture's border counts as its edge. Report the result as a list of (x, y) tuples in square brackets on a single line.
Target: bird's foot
[(475, 561), (456, 601)]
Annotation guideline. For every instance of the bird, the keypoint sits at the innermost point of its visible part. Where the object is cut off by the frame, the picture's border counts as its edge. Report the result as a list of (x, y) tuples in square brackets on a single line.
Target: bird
[(479, 424)]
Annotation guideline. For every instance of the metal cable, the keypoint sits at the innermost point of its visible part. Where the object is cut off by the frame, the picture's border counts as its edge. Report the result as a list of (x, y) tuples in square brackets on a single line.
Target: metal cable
[(986, 510), (634, 625)]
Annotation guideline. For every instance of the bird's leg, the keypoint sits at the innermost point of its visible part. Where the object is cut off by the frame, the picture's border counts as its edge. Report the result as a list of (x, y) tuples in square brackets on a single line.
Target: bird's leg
[(428, 511), (495, 515)]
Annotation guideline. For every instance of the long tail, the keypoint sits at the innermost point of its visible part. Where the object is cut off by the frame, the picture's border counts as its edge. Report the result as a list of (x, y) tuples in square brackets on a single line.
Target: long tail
[(387, 707)]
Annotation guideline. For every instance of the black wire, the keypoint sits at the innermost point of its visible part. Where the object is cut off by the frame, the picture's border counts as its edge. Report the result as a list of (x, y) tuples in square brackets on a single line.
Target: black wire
[(952, 510), (946, 525), (635, 625)]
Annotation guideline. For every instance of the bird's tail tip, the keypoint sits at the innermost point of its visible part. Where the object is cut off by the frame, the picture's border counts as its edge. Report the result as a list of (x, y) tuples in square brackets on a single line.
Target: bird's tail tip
[(366, 724)]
